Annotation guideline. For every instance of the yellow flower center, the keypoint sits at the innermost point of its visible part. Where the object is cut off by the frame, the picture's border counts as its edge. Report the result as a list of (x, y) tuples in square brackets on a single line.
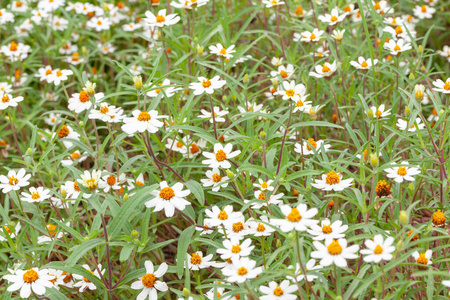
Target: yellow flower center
[(221, 155), (261, 227), (422, 259), (206, 83), (104, 109), (378, 250), (299, 11), (325, 69), (91, 184), (402, 171), (242, 271), (347, 9), (332, 178), (179, 144), (7, 229), (222, 215), (383, 189), (264, 185), (149, 280), (278, 291), (397, 48), (167, 193), (334, 18), (424, 8), (216, 178), (35, 195), (290, 93), (87, 280), (334, 248), (283, 74), (312, 142), (5, 98), (261, 196), (313, 36), (223, 51), (111, 180), (75, 186), (447, 86), (144, 116), (160, 19), (13, 180), (438, 218), (30, 276), (294, 215), (196, 259), (13, 46), (236, 249), (364, 64), (237, 227), (299, 103), (327, 229), (51, 229), (377, 5), (84, 97), (75, 155)]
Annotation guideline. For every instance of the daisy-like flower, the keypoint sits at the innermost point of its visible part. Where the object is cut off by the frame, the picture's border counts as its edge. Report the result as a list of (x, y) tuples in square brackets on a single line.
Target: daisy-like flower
[(169, 91), (131, 26), (273, 199), (50, 5), (66, 132), (85, 283), (28, 281), (264, 185), (111, 182), (424, 11), (379, 112), (99, 23), (423, 258), (445, 52), (251, 107), (397, 47), (5, 88), (161, 19), (15, 52), (5, 16), (438, 219), (325, 70), (301, 105), (196, 261), (321, 51), (272, 3), (106, 48), (382, 7), (292, 91), (14, 181), (234, 249), (142, 121), (327, 231), (285, 72), (195, 148), (284, 291), (51, 234), (58, 76), (59, 24), (378, 249), (207, 85), (334, 252), (218, 115), (338, 35), (364, 64), (36, 195), (217, 217), (107, 113), (443, 87), (168, 198), (333, 18), (241, 269), (332, 181), (404, 172), (296, 218), (81, 101), (177, 145), (237, 229), (259, 228), (309, 36), (221, 51), (310, 266), (9, 230), (215, 180), (149, 283), (90, 181), (43, 73), (401, 31), (411, 126), (306, 149), (7, 100), (277, 61), (62, 278), (220, 157)]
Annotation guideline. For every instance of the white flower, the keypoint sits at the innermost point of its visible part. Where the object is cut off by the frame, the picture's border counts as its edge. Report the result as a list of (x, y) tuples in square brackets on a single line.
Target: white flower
[(234, 248), (58, 76), (5, 88), (5, 16), (382, 7), (168, 198), (196, 261), (217, 217), (257, 228), (207, 85), (296, 218), (278, 61), (334, 252), (36, 195), (222, 51), (161, 19), (195, 147), (292, 91), (338, 35), (443, 87), (273, 199), (325, 70), (32, 280), (107, 113), (332, 181), (131, 26), (14, 181), (327, 231), (378, 249), (61, 278), (15, 52), (363, 64), (272, 3), (309, 36), (445, 51), (220, 157), (214, 179), (169, 91), (306, 149), (85, 283), (402, 31), (424, 11), (106, 48), (66, 132), (403, 172), (218, 115), (333, 17), (59, 24), (310, 266), (142, 121), (301, 104), (81, 101), (177, 145), (264, 185), (43, 73), (396, 47), (51, 234), (109, 182), (411, 126), (9, 230), (285, 72), (241, 270), (149, 283), (90, 181), (7, 100), (380, 112), (251, 107), (284, 291), (423, 258)]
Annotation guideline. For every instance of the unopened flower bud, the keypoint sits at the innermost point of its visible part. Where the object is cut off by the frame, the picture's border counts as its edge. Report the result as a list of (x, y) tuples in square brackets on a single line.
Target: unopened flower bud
[(403, 217), (84, 50), (441, 112), (89, 88), (135, 233), (373, 160), (186, 292), (246, 79), (225, 98), (230, 174), (338, 298), (200, 50), (86, 238), (420, 50), (411, 186), (29, 151), (233, 97), (278, 243), (407, 111), (411, 76), (81, 124), (137, 82), (126, 197), (281, 180), (291, 236), (370, 113), (262, 135)]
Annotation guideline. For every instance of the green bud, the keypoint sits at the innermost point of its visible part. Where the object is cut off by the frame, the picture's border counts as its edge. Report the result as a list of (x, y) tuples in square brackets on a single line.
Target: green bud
[(246, 79), (441, 112), (186, 292), (411, 76), (281, 181), (262, 135), (370, 113), (407, 111), (230, 174), (81, 124), (373, 160), (225, 98), (411, 187), (233, 97), (29, 151), (308, 188), (126, 197), (135, 233), (291, 236), (338, 298), (278, 243), (420, 50), (84, 50), (136, 242), (86, 238), (404, 219)]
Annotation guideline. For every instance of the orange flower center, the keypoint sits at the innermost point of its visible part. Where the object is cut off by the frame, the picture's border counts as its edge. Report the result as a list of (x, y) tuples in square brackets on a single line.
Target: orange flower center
[(13, 46), (63, 132), (104, 109), (332, 178), (236, 249), (5, 98), (35, 195), (397, 48), (48, 72), (327, 229), (334, 248), (422, 259), (402, 171), (84, 97), (30, 276), (144, 116), (294, 215), (167, 193), (438, 218), (447, 86), (312, 142), (378, 250), (216, 178), (160, 19), (13, 180), (290, 93), (194, 148), (206, 83), (196, 259), (261, 227), (334, 18), (364, 64), (222, 215), (424, 8), (325, 69), (278, 291), (221, 155), (283, 74), (242, 271), (111, 180), (237, 227)]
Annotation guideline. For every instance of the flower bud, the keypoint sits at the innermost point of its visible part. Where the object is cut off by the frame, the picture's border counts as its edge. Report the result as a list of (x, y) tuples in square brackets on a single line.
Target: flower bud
[(126, 197), (137, 82), (281, 180), (233, 97), (246, 79), (225, 98), (89, 88), (407, 111), (200, 50), (338, 298), (441, 112), (230, 174), (81, 124), (411, 76), (373, 160), (403, 217), (84, 50), (291, 236), (262, 135), (86, 238), (135, 233), (420, 50), (186, 292), (29, 151), (411, 187), (370, 113), (278, 243)]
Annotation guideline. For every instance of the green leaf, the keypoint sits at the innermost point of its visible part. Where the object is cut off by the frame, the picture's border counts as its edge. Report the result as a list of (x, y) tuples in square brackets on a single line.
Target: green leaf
[(79, 250), (183, 244), (197, 190), (125, 253)]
